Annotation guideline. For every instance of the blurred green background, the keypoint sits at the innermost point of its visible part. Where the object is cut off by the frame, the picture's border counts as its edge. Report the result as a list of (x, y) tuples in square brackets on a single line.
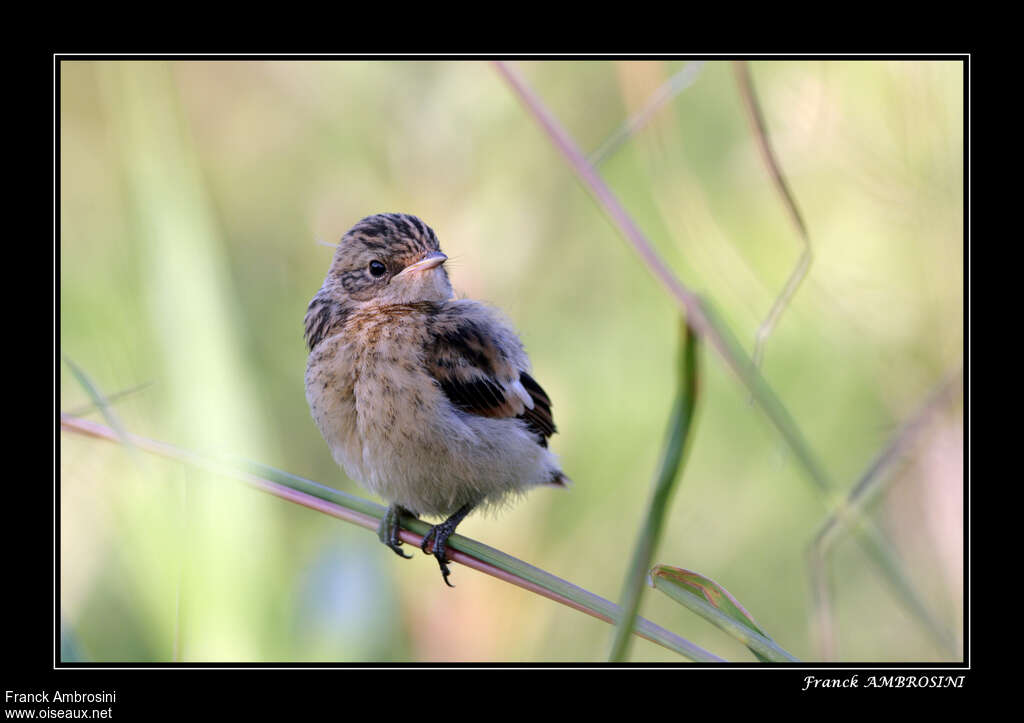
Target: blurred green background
[(195, 202)]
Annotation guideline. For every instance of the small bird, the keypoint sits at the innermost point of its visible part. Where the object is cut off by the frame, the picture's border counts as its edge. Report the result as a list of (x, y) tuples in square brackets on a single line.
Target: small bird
[(424, 399)]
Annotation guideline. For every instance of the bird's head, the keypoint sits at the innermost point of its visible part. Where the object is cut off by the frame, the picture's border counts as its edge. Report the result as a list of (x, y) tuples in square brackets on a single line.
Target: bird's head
[(390, 258)]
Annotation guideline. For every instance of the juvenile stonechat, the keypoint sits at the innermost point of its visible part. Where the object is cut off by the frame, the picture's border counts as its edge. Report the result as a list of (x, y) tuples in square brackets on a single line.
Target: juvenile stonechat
[(424, 399)]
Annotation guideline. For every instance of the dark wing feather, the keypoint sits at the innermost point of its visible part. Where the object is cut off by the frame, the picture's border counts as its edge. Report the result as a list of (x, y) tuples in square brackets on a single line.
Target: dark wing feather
[(539, 418), (480, 396), (476, 376)]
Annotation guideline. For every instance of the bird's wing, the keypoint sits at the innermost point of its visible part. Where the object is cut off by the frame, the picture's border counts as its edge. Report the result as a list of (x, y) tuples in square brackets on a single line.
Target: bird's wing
[(481, 367)]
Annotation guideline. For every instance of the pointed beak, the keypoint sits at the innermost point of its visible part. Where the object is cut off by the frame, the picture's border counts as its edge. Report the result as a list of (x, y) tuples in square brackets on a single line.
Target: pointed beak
[(430, 261)]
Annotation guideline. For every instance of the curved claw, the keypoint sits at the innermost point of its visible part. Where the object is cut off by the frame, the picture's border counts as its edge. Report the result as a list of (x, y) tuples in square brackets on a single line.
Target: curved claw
[(398, 551), (439, 534), (426, 540), (387, 532), (445, 572), (440, 550)]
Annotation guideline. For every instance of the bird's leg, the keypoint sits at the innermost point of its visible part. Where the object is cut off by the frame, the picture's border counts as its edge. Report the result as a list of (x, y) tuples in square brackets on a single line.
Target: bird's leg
[(389, 526), (439, 534)]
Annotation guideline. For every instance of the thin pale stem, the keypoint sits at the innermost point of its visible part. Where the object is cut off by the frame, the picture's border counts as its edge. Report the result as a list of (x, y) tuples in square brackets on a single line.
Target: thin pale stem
[(110, 398), (848, 516), (672, 87), (796, 276), (823, 623), (781, 302), (873, 479)]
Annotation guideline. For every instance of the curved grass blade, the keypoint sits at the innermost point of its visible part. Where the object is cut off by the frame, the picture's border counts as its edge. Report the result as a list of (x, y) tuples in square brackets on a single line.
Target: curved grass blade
[(678, 442), (713, 602)]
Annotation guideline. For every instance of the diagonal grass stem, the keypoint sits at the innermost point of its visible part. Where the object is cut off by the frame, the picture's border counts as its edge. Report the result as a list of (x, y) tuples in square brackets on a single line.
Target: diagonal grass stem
[(368, 514)]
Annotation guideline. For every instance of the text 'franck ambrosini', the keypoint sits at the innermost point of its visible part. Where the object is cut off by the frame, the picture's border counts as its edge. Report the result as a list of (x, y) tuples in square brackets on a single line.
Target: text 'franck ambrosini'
[(57, 696)]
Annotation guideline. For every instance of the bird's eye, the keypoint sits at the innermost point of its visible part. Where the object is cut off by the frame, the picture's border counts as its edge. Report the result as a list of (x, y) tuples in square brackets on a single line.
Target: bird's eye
[(377, 269)]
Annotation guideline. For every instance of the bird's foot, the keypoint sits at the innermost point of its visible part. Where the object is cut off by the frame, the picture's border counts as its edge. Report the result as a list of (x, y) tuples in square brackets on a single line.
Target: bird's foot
[(439, 535), (389, 526)]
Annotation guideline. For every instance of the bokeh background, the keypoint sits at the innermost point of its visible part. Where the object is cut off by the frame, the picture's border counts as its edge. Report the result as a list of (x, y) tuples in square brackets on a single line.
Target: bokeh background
[(197, 201)]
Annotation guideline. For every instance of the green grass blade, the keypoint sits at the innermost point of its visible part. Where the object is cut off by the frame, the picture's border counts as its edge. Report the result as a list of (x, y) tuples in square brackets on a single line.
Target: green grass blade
[(678, 442), (713, 602)]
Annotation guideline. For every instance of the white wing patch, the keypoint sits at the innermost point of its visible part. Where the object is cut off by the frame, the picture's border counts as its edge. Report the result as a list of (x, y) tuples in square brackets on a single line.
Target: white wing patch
[(519, 390)]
